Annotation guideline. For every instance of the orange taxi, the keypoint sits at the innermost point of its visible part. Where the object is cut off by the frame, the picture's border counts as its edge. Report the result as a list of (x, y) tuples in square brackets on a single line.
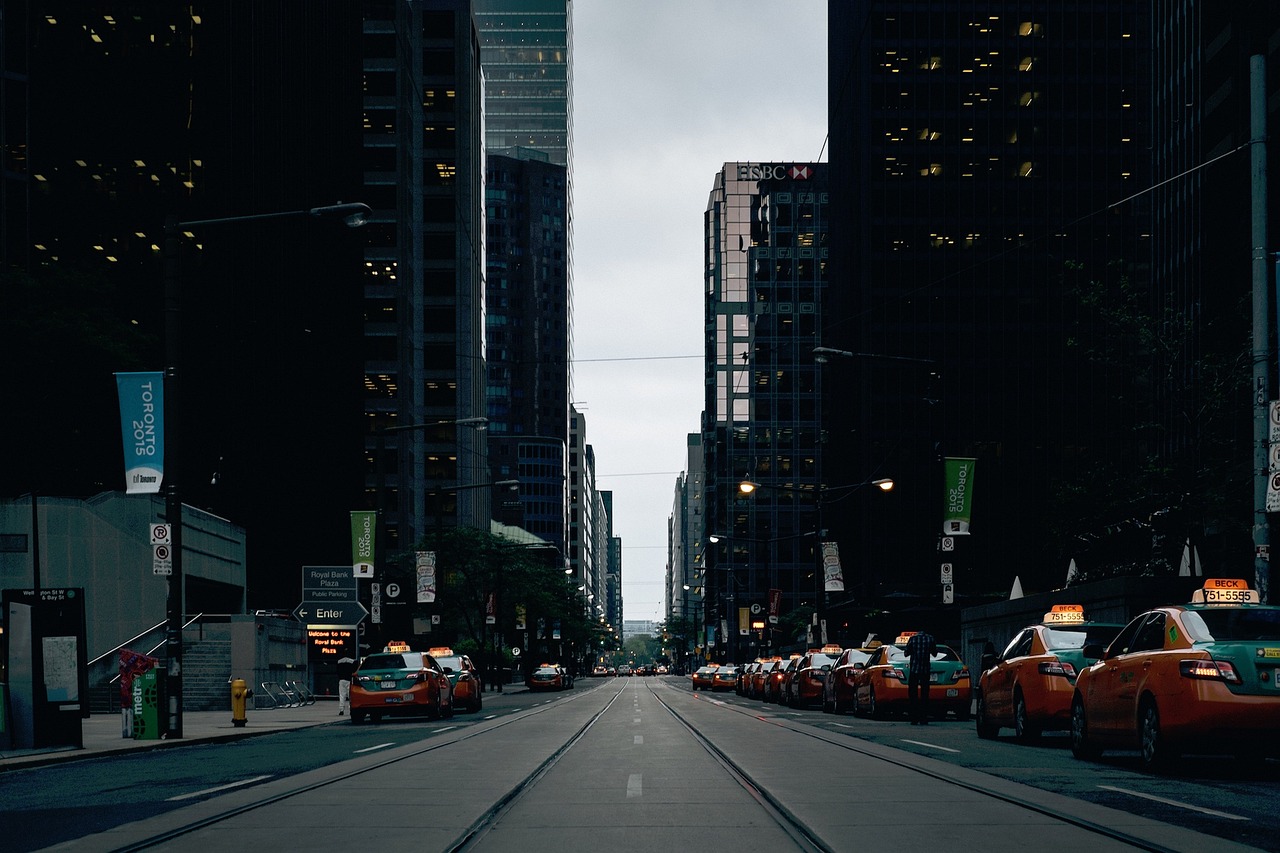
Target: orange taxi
[(804, 688), (880, 687), (775, 678), (463, 676), (724, 678), (837, 690), (548, 676), (401, 682), (1028, 686), (703, 677), (1201, 677), (755, 689)]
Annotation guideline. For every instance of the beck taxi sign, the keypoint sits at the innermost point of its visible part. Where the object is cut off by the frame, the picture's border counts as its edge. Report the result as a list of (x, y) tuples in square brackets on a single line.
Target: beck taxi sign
[(1064, 614), (1226, 591)]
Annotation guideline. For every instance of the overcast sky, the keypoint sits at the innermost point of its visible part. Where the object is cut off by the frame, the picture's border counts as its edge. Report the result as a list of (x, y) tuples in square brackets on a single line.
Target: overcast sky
[(666, 93)]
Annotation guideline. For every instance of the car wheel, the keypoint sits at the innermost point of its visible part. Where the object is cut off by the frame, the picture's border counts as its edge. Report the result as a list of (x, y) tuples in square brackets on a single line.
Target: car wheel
[(1022, 729), (1156, 751), (478, 703), (873, 707), (375, 718), (357, 717), (446, 711), (986, 729), (857, 704), (1081, 746)]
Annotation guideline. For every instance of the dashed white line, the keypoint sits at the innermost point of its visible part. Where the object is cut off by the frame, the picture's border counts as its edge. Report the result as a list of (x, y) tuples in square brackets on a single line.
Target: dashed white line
[(445, 729), (1177, 803), (220, 788), (639, 739), (930, 745), (633, 785), (372, 748)]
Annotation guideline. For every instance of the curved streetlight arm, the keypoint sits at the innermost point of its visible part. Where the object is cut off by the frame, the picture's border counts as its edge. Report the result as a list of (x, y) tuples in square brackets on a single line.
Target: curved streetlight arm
[(353, 215), (822, 354)]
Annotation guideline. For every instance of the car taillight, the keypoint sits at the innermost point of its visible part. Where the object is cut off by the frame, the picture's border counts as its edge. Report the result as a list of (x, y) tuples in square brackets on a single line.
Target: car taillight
[(1066, 670), (900, 674), (963, 672), (1217, 670)]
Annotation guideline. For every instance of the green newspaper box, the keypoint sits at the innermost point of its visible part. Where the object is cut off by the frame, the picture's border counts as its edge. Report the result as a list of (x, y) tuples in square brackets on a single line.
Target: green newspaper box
[(146, 706)]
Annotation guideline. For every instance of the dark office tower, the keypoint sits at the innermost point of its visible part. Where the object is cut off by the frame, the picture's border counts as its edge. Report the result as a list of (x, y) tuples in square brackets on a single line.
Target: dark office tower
[(766, 260), (424, 269), (116, 116), (1201, 256), (978, 149), (527, 49), (528, 337)]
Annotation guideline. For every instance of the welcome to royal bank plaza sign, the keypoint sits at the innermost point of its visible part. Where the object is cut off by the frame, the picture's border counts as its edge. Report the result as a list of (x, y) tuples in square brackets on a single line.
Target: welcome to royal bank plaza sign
[(774, 172)]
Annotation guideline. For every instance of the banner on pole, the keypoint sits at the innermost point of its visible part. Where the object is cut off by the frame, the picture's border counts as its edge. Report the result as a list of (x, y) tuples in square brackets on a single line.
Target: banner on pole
[(363, 525), (425, 567), (142, 427), (958, 509), (832, 573)]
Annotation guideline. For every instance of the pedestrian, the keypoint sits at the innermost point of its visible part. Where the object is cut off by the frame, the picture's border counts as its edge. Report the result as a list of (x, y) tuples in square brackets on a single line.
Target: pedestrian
[(346, 668), (921, 647)]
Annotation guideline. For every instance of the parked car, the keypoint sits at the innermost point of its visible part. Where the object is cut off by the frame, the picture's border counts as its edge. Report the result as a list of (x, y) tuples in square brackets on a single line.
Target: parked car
[(1028, 686), (703, 677), (837, 690), (464, 679), (743, 687), (758, 676), (774, 676), (624, 670), (599, 671), (724, 679), (1201, 677), (880, 687), (803, 689), (403, 683)]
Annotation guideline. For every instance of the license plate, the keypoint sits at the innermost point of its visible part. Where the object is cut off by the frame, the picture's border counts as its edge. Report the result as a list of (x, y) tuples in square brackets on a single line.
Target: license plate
[(952, 692), (392, 700), (933, 678), (388, 685)]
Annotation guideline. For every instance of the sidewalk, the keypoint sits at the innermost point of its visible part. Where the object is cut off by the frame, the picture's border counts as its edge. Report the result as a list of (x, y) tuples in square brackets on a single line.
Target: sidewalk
[(102, 733)]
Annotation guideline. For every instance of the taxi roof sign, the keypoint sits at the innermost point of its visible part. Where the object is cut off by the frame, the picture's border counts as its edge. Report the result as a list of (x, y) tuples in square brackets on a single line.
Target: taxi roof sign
[(1064, 614), (440, 651), (396, 646), (1226, 591), (904, 636)]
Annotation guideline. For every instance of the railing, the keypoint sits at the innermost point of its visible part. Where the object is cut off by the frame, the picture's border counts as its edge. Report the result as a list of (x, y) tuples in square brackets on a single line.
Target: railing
[(290, 694)]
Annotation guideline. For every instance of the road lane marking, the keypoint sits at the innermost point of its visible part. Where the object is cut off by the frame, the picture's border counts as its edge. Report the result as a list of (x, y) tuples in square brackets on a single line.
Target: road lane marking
[(633, 785), (1177, 803), (219, 788), (636, 720), (372, 748), (842, 725), (639, 739), (930, 745), (445, 729)]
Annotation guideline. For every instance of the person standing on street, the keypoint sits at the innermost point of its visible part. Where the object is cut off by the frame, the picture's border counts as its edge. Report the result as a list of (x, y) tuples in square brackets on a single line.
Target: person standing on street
[(921, 647), (346, 668)]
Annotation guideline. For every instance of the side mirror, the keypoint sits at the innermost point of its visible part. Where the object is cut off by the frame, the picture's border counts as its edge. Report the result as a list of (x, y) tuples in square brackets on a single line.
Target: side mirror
[(1093, 651), (826, 667), (988, 660), (860, 665), (448, 670)]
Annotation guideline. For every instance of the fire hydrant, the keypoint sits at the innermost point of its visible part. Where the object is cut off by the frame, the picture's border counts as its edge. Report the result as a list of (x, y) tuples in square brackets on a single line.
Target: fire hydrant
[(240, 695)]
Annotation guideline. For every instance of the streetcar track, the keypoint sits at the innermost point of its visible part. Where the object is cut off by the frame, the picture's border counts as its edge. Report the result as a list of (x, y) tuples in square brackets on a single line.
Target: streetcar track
[(464, 735), (841, 742)]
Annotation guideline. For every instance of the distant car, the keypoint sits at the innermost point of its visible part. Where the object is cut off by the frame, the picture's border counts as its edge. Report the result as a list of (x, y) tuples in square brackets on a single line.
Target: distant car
[(547, 677), (463, 676), (1028, 686), (773, 678), (599, 671), (704, 677), (662, 669), (755, 690), (1201, 677), (624, 670), (837, 691), (743, 687), (881, 685), (804, 688), (401, 683), (725, 678)]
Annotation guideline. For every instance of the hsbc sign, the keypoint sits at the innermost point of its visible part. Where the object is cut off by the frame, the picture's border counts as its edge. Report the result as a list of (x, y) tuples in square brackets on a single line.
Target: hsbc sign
[(774, 171)]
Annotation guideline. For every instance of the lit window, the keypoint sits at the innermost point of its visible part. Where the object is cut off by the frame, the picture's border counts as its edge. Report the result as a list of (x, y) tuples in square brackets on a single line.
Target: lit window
[(1025, 64), (1028, 98), (1025, 169), (1027, 28)]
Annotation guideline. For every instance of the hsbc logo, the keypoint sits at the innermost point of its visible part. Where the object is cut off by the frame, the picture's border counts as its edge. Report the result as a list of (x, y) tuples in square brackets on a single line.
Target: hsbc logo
[(775, 172)]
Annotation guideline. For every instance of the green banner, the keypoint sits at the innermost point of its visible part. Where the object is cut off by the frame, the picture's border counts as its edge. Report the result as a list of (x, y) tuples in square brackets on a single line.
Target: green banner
[(958, 510), (363, 525)]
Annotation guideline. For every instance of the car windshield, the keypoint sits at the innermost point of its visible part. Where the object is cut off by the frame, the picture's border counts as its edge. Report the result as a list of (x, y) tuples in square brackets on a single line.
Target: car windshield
[(408, 660), (898, 654), (1061, 639), (1233, 623), (451, 663), (819, 661)]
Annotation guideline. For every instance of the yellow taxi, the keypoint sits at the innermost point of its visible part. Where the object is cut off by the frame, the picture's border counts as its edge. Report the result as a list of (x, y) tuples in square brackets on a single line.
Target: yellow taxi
[(725, 678), (775, 678), (1200, 677), (400, 682), (548, 676), (704, 677), (463, 676), (1028, 686), (880, 687)]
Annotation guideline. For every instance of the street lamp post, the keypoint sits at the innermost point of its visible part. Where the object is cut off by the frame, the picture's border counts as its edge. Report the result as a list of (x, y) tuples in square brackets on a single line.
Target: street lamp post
[(354, 215)]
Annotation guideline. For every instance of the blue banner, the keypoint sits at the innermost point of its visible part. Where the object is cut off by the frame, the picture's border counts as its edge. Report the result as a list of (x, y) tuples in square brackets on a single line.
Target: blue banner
[(142, 427)]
